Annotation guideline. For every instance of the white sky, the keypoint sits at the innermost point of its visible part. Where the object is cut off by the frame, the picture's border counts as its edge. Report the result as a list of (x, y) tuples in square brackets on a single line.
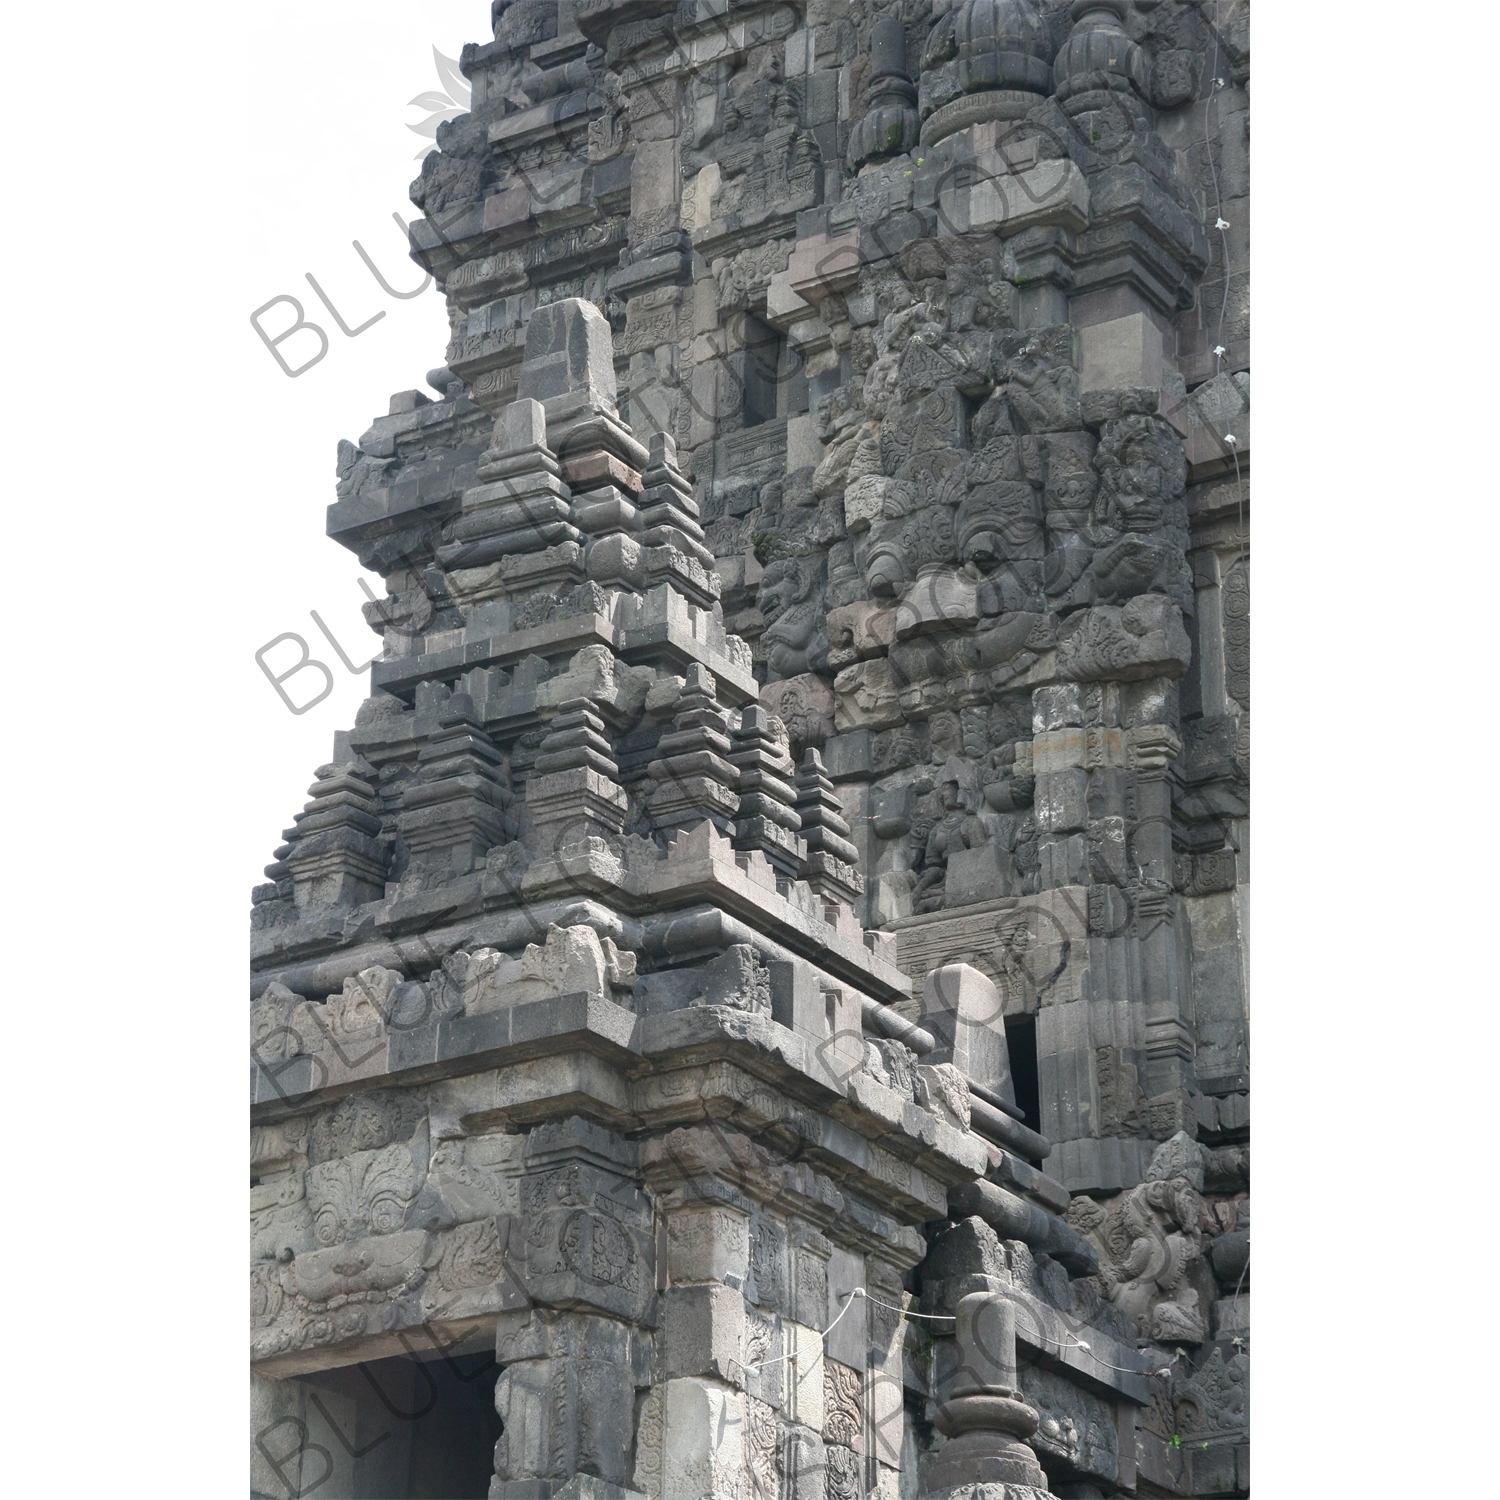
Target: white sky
[(329, 160)]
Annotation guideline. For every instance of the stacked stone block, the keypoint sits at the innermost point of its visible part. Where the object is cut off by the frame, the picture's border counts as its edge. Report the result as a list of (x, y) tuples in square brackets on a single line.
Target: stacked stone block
[(835, 388)]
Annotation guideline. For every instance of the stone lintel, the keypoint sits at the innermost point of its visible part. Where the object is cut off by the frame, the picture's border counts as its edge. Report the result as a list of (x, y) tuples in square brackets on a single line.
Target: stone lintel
[(454, 1336)]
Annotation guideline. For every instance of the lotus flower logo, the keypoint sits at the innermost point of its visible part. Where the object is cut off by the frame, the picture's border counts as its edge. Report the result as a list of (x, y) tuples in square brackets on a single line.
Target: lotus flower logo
[(441, 104)]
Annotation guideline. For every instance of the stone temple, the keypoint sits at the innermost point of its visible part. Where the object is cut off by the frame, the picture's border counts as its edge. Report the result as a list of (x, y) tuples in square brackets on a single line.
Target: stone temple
[(755, 1007)]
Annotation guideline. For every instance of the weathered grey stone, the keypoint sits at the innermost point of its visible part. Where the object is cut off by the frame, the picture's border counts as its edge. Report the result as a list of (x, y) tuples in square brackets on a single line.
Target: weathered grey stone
[(983, 1414), (703, 1332), (822, 573), (568, 349), (963, 1010)]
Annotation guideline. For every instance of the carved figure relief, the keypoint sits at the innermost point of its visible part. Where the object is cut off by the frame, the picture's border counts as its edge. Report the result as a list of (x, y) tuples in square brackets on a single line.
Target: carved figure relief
[(1153, 1241), (365, 1193), (954, 829), (790, 596)]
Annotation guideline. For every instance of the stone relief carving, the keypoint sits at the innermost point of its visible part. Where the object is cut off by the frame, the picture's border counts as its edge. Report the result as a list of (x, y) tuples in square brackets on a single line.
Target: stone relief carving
[(1216, 1399), (367, 1193), (951, 557), (1074, 1425), (843, 1405), (1237, 632), (790, 597), (1152, 1239)]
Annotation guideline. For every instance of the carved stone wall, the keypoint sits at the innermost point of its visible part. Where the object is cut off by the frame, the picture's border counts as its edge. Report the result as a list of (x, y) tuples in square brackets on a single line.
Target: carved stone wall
[(791, 874)]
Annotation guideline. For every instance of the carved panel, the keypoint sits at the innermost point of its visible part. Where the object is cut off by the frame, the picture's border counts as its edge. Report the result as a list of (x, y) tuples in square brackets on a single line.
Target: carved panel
[(843, 1405), (1236, 607)]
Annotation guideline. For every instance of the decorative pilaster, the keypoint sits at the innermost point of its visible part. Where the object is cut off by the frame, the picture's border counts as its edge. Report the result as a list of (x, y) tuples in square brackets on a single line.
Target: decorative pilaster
[(574, 1357), (569, 367), (669, 513), (1168, 1036)]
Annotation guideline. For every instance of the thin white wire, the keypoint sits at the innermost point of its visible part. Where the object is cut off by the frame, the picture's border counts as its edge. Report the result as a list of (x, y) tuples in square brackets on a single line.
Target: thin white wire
[(904, 1311), (858, 1291), (1239, 492), (1220, 225), (1213, 173), (765, 1364), (948, 1317), (1121, 1369), (782, 1358)]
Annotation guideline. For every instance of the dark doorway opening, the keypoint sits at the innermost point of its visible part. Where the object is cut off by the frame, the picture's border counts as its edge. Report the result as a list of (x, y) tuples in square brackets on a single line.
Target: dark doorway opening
[(1020, 1042), (968, 409), (402, 1429), (762, 371)]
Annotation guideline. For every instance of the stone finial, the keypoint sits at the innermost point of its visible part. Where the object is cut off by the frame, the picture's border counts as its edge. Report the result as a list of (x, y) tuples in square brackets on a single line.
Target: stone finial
[(985, 1417), (985, 1328), (963, 1009), (455, 811), (663, 450), (1098, 54), (1002, 44), (890, 124), (576, 739), (768, 818), (649, 532), (569, 366), (573, 792), (822, 812), (694, 779), (991, 60), (335, 857), (668, 510), (569, 349), (521, 504), (832, 859), (522, 426), (888, 49)]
